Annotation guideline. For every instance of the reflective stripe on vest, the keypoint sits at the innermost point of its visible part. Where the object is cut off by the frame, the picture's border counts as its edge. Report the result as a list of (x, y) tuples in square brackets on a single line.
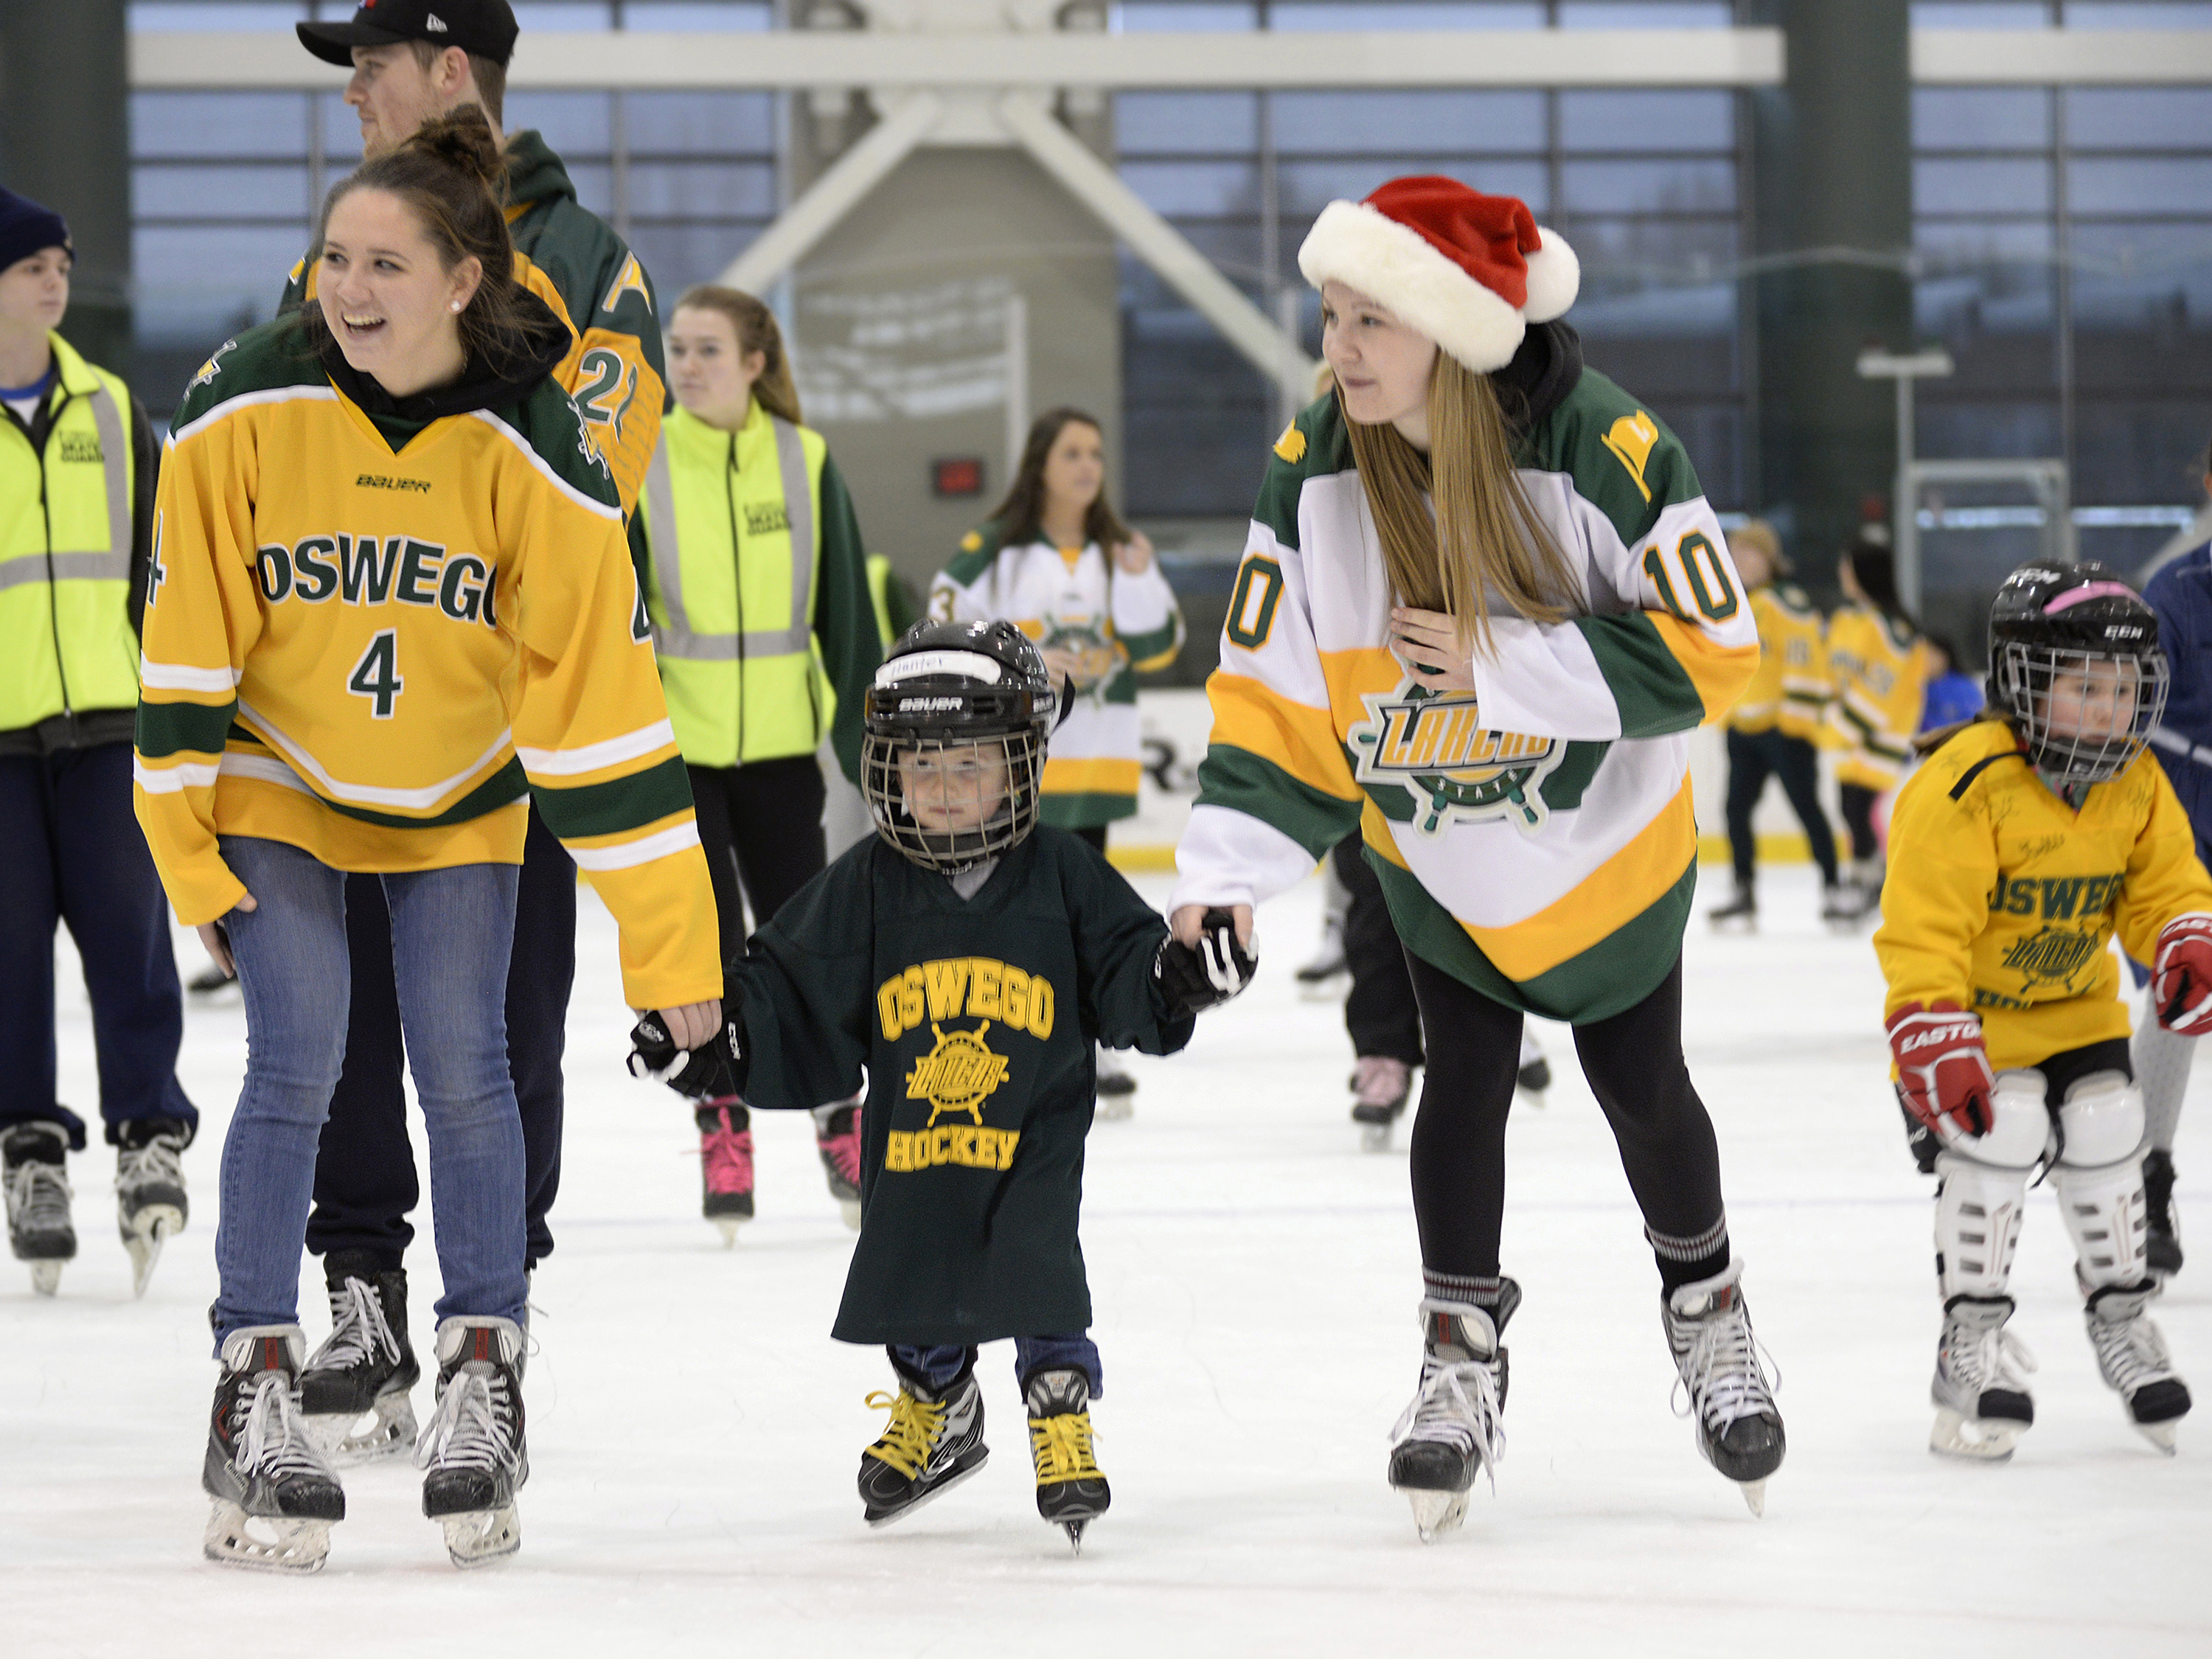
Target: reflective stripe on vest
[(675, 640), (114, 564)]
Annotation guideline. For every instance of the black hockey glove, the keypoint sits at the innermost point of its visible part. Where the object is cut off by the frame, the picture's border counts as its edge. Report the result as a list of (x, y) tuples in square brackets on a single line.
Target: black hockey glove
[(707, 1072), (1191, 979)]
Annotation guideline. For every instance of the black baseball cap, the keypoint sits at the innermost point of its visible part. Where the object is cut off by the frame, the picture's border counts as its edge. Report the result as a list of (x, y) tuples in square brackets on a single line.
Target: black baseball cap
[(485, 28)]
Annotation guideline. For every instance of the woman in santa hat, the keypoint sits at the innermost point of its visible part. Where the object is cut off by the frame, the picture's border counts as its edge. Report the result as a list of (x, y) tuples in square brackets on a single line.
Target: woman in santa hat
[(1483, 603)]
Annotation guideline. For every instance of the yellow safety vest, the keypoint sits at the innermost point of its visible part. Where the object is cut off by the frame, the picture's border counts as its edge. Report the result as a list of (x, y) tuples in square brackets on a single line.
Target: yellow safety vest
[(65, 640), (732, 520)]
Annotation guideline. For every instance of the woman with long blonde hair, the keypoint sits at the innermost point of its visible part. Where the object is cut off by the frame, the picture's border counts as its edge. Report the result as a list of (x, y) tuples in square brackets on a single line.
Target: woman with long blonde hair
[(1483, 603)]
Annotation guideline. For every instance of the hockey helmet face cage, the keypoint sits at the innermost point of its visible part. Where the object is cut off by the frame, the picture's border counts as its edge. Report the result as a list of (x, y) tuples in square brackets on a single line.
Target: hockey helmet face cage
[(2075, 661), (953, 742)]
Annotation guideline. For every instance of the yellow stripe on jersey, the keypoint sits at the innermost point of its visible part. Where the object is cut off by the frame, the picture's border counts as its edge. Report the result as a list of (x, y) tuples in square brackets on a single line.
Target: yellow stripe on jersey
[(1718, 672), (1299, 739), (1092, 775)]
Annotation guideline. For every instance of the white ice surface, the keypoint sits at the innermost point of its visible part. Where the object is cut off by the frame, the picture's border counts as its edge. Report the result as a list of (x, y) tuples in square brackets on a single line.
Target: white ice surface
[(694, 1432)]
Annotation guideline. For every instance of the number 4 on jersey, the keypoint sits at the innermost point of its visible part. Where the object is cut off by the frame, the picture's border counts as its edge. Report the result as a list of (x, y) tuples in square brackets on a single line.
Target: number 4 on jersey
[(376, 675)]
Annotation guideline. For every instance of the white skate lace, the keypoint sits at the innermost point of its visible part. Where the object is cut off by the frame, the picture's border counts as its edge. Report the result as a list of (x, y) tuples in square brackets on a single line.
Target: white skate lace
[(1994, 1358), (38, 1197), (158, 1162), (1724, 1372), (358, 1329), (2131, 1351), (1457, 1404), (471, 1428), (269, 1441)]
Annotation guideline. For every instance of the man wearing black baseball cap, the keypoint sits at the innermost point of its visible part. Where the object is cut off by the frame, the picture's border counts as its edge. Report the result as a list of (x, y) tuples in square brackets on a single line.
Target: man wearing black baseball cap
[(414, 60)]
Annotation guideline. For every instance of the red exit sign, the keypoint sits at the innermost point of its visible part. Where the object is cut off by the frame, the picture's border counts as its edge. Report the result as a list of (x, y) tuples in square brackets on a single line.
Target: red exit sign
[(961, 477)]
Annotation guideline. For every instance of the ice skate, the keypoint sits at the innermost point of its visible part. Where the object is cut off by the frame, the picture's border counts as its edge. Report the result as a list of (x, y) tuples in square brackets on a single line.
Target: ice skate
[(1981, 1398), (150, 1206), (1723, 1376), (726, 1167), (274, 1495), (211, 980), (2131, 1354), (837, 1138), (933, 1441), (365, 1368), (1534, 1075), (1454, 1429), (1323, 979), (1840, 904), (474, 1448), (1072, 1492), (1381, 1086), (1846, 907), (2162, 1237), (38, 1228), (1116, 1094), (1739, 916)]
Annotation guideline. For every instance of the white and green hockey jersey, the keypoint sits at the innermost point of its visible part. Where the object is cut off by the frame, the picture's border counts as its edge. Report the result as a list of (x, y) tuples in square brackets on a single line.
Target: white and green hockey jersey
[(1536, 839), (1113, 623)]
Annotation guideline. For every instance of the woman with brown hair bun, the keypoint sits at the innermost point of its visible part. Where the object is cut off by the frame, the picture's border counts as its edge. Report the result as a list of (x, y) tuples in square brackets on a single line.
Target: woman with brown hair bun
[(1483, 602), (759, 597), (392, 598), (1056, 561)]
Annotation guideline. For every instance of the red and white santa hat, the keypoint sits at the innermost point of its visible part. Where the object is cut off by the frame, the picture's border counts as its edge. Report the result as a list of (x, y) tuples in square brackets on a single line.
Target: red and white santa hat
[(1471, 271)]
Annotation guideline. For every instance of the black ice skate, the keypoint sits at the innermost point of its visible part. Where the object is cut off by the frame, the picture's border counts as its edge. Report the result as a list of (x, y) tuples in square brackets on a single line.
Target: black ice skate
[(1739, 1430), (1533, 1076), (2131, 1354), (1072, 1492), (1455, 1427), (1115, 1092), (150, 1206), (1323, 978), (366, 1366), (2162, 1237), (1980, 1395), (933, 1441), (38, 1227), (273, 1496), (474, 1447), (1739, 916), (1381, 1086)]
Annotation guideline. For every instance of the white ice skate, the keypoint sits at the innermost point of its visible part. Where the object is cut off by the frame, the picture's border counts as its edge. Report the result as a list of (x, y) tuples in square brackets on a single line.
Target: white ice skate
[(275, 1495), (474, 1448), (2131, 1354), (40, 1230), (1724, 1386), (1116, 1089), (1454, 1429), (1980, 1391), (150, 1206)]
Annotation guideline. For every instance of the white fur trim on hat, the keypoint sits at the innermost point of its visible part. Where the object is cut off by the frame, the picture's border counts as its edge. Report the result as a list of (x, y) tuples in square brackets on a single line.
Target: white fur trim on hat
[(1365, 248)]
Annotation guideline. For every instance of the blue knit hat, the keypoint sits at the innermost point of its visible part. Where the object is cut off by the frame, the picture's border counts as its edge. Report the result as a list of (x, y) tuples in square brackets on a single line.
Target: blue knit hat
[(27, 229)]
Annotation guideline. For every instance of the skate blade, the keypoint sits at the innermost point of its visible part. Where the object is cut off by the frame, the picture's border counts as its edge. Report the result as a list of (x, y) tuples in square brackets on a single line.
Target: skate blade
[(1375, 1137), (481, 1537), (1437, 1513), (2160, 1435), (1116, 1108), (1754, 1496), (265, 1543), (1325, 990), (389, 1432), (1733, 925), (931, 1496), (729, 1224), (1984, 1442), (46, 1277), (148, 1233), (850, 1209), (1075, 1535)]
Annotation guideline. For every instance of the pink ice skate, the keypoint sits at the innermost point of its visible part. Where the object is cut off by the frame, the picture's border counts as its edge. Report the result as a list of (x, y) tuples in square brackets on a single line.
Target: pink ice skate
[(726, 1158), (837, 1138)]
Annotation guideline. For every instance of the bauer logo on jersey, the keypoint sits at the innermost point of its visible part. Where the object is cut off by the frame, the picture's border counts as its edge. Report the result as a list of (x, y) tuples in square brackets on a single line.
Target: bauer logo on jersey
[(1435, 747), (2054, 955)]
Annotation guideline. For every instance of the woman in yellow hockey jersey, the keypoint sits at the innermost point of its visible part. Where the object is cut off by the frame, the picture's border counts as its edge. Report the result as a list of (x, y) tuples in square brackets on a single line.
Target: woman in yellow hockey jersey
[(2030, 837), (391, 597), (1880, 668)]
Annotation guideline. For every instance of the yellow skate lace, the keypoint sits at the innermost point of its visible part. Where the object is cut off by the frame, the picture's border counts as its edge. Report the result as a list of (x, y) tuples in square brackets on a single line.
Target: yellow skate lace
[(1061, 1447), (911, 1434)]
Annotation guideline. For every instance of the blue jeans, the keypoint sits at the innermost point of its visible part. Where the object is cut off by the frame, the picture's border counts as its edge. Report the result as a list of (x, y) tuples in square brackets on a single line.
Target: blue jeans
[(938, 1366), (451, 933)]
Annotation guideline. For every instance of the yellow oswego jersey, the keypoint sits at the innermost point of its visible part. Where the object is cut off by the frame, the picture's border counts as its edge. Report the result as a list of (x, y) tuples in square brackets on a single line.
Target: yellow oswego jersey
[(1790, 688), (373, 653), (2003, 899), (1879, 668)]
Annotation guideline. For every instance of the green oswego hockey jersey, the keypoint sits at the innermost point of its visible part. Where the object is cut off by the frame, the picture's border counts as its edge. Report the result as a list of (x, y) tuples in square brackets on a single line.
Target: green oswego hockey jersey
[(1535, 839), (975, 1019)]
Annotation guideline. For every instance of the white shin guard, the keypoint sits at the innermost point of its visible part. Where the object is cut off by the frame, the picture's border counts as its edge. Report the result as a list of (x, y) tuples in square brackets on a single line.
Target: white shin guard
[(1983, 1185), (2099, 1180)]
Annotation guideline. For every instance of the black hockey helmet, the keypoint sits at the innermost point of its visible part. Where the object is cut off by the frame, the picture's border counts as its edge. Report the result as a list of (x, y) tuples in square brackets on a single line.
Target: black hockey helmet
[(2050, 619), (976, 686)]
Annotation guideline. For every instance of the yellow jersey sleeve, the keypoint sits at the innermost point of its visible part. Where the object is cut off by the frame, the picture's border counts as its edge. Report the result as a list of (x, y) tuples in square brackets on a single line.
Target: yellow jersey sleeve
[(2166, 878), (1935, 902)]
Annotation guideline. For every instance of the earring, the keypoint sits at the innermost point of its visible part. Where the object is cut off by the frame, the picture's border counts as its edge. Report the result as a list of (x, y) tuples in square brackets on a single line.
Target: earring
[(456, 306)]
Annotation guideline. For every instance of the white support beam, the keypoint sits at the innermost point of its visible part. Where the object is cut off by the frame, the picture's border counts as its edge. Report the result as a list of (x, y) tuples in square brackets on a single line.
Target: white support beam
[(2081, 57), (800, 60), (834, 195), (1158, 244)]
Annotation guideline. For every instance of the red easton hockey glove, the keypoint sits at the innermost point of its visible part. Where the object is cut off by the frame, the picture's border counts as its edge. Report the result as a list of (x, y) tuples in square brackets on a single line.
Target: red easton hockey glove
[(1942, 1069), (2181, 975)]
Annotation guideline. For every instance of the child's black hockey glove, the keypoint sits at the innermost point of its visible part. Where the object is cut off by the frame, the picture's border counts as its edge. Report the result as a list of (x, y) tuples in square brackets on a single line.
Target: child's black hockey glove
[(709, 1074), (1194, 978)]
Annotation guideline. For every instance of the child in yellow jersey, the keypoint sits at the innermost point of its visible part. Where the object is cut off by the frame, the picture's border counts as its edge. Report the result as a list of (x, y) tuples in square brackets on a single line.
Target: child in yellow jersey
[(1880, 668), (2027, 839)]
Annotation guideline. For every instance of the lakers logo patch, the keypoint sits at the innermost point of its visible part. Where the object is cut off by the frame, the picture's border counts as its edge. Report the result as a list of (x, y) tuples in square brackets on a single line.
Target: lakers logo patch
[(958, 1075), (1435, 747)]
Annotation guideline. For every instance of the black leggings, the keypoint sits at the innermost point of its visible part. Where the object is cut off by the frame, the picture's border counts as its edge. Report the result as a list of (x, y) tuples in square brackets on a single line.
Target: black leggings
[(1634, 1065), (1857, 802), (1379, 1011), (763, 822), (1753, 756)]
